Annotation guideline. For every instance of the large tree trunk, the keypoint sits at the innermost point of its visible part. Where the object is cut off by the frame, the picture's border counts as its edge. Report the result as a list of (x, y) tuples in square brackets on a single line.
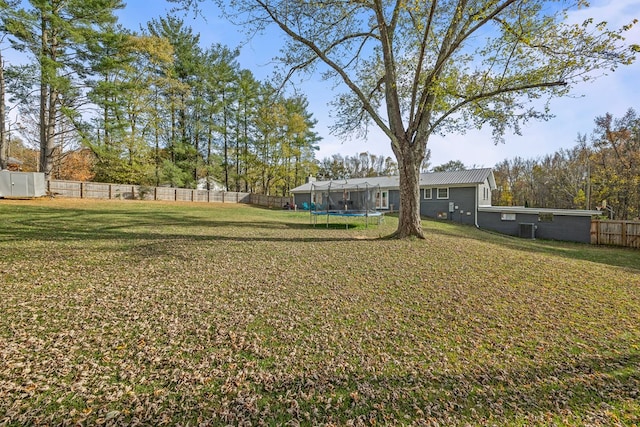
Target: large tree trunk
[(409, 221), (48, 100), (44, 91), (4, 138), (47, 132)]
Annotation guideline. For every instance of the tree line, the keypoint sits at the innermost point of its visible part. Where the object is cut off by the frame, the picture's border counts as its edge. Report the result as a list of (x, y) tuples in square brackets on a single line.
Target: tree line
[(145, 107), (155, 107), (601, 171)]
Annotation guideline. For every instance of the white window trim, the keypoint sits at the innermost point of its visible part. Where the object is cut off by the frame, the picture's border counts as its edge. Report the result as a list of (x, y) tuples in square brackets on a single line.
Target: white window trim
[(438, 193), (507, 216), (382, 202), (430, 193)]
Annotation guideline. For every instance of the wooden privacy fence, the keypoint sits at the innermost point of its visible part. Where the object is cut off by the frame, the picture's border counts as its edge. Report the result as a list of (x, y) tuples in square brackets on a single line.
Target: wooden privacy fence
[(99, 190), (618, 233)]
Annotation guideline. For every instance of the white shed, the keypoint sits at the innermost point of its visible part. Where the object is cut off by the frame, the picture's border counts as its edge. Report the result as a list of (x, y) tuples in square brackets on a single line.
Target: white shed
[(22, 184)]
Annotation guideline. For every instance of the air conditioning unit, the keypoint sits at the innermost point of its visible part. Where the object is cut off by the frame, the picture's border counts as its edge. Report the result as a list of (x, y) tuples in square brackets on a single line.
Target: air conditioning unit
[(527, 230)]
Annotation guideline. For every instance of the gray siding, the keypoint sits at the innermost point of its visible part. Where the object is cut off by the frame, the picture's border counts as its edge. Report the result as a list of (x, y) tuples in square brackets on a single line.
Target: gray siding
[(300, 198), (394, 200), (357, 200), (463, 199), (562, 227)]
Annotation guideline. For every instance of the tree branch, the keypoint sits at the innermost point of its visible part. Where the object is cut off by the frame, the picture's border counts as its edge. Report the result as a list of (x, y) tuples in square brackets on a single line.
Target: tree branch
[(421, 55), (487, 95), (332, 64)]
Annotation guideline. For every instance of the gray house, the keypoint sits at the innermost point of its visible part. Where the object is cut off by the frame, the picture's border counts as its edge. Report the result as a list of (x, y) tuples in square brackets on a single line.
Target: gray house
[(573, 225), (460, 196), (445, 195)]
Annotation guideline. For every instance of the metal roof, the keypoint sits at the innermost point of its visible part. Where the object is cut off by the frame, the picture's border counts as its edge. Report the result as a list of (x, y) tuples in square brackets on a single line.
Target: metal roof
[(537, 211), (470, 176), (455, 178)]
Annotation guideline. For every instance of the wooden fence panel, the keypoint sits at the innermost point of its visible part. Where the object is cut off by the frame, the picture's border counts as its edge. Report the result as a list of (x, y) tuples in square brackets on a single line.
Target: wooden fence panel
[(165, 194), (95, 190), (270, 201), (184, 195), (65, 188), (200, 196), (100, 190), (124, 191), (616, 233), (216, 196)]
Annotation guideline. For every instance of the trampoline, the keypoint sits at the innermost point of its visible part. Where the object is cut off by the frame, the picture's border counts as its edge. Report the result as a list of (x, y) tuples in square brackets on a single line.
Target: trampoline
[(347, 214), (345, 200)]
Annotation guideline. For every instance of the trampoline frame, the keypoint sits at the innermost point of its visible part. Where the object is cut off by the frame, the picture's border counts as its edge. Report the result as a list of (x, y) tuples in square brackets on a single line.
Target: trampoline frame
[(366, 196)]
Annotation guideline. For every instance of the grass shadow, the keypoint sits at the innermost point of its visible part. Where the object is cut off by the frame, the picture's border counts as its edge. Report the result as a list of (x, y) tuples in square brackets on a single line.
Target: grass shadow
[(608, 255), (51, 224)]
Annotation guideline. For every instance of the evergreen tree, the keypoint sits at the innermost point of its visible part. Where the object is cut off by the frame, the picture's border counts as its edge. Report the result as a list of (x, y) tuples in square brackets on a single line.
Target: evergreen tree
[(184, 135), (414, 68), (56, 33)]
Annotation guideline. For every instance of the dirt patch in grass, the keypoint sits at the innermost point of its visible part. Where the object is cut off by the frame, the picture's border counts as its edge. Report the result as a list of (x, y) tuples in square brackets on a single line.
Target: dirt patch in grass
[(150, 313)]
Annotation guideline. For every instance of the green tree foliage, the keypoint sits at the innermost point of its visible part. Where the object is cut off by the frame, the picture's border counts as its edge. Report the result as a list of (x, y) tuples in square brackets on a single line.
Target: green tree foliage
[(414, 68), (357, 166), (5, 14), (154, 107), (615, 164), (56, 34), (181, 97), (604, 173), (247, 97), (129, 75), (4, 138), (450, 166)]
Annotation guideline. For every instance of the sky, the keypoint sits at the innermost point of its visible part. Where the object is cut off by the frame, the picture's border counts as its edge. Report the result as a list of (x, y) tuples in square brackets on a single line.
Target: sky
[(614, 93)]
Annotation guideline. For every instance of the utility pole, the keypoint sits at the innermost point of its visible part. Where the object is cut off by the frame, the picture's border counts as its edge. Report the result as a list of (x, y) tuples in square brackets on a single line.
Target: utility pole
[(588, 183)]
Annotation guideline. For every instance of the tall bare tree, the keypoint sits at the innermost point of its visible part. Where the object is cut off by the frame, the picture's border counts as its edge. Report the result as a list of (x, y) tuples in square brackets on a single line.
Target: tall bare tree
[(4, 139), (616, 163), (6, 7), (414, 67)]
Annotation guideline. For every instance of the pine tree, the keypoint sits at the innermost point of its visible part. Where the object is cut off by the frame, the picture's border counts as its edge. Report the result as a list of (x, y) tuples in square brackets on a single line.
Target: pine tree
[(56, 33)]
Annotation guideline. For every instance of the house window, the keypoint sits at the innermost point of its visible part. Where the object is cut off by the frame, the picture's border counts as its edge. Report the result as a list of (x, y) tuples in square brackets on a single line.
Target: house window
[(382, 199), (545, 217), (508, 216), (428, 193), (443, 193)]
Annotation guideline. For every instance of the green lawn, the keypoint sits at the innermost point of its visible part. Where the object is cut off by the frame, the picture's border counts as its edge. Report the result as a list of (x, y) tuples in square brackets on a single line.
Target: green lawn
[(146, 312)]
